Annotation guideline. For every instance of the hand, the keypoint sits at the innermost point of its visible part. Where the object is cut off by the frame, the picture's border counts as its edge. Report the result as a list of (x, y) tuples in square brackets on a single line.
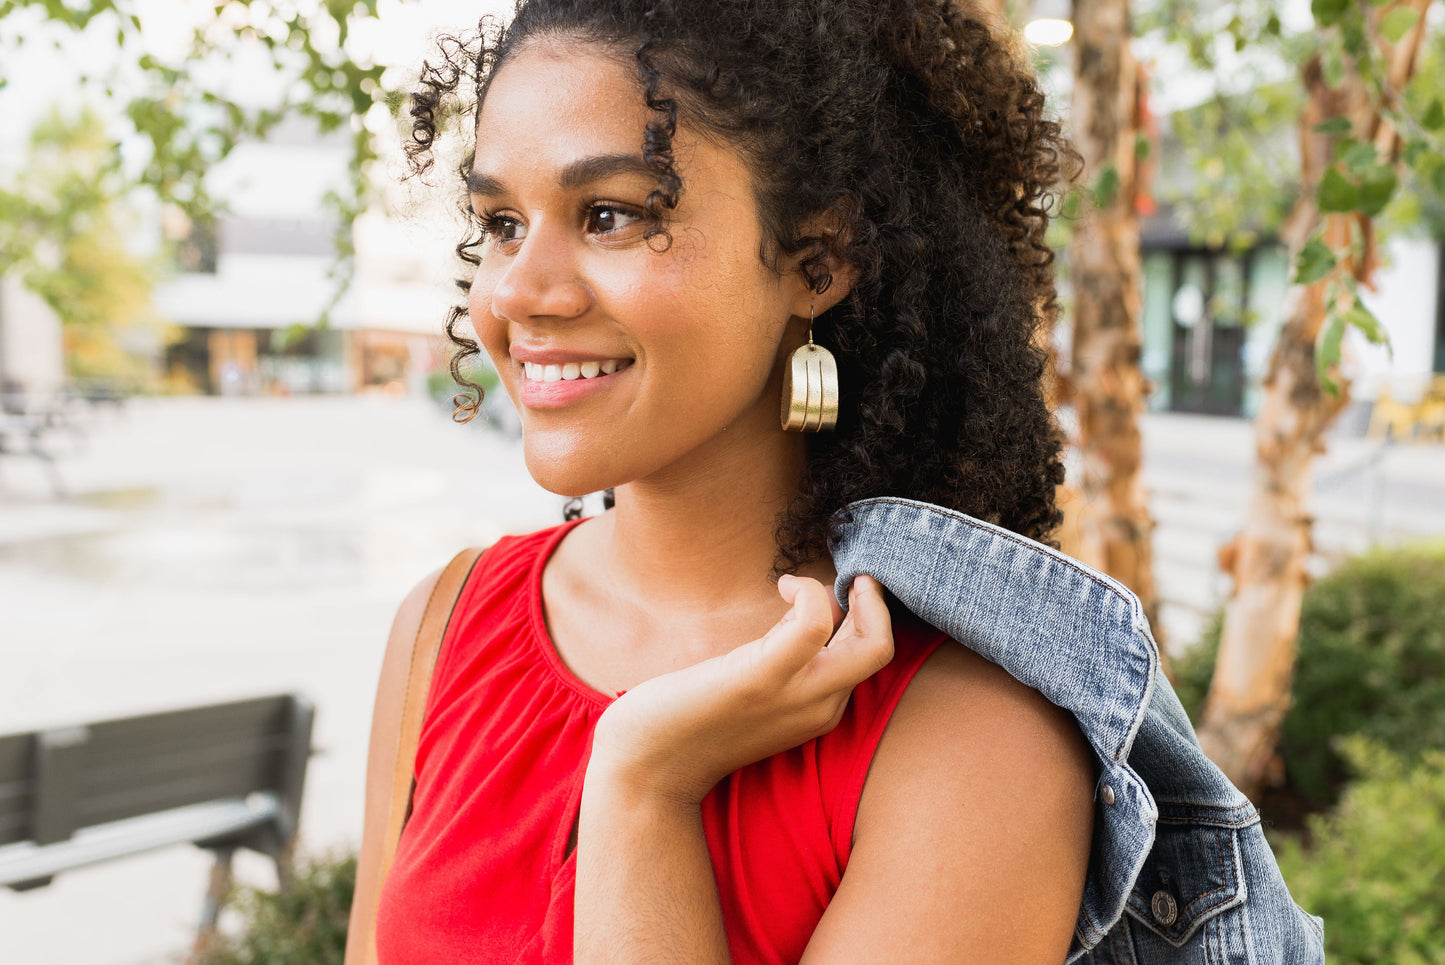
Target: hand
[(675, 736)]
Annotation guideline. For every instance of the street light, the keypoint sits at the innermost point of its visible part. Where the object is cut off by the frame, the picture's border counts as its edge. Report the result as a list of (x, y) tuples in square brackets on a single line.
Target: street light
[(1048, 32), (1049, 24)]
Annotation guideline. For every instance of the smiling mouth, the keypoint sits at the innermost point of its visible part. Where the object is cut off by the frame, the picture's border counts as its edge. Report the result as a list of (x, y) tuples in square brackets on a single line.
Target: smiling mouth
[(571, 371)]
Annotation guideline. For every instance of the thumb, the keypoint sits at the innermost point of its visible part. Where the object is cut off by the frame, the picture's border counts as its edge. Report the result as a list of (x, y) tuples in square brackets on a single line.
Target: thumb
[(808, 624)]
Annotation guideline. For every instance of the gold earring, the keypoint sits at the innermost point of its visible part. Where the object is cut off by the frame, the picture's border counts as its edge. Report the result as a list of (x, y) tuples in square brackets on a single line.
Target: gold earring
[(810, 387)]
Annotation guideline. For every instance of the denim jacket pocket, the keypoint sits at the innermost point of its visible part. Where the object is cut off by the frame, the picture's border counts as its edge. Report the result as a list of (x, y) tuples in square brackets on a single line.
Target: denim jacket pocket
[(1192, 874)]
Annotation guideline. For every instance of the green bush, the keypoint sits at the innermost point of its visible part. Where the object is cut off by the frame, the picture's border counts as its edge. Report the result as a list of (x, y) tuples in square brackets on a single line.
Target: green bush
[(1372, 869), (1371, 662), (303, 925)]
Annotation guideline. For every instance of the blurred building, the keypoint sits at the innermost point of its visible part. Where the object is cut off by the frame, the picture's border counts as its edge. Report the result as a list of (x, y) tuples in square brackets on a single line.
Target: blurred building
[(250, 287), (31, 359), (1211, 317)]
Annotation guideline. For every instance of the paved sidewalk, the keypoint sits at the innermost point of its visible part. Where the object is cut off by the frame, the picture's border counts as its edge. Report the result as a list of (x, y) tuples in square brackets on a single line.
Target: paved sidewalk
[(213, 549)]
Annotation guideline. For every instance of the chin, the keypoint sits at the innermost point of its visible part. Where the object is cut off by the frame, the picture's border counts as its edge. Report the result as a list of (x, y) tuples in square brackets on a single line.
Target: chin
[(570, 474)]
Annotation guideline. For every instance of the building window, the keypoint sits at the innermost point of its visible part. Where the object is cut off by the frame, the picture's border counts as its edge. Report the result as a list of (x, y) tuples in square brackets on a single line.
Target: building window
[(1207, 314)]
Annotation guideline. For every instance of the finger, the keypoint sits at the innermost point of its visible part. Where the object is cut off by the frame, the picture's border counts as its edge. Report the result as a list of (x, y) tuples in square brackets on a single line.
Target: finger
[(789, 586), (804, 629), (868, 607), (838, 612), (863, 644)]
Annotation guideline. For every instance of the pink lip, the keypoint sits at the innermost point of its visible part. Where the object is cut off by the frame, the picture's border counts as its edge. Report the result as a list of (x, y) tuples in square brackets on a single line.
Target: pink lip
[(555, 395)]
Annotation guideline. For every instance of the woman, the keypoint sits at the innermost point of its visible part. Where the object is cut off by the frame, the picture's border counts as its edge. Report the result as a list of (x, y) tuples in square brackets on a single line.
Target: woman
[(652, 735)]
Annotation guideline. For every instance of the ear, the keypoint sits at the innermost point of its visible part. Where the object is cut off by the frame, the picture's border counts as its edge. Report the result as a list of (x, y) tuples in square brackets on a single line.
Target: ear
[(832, 274)]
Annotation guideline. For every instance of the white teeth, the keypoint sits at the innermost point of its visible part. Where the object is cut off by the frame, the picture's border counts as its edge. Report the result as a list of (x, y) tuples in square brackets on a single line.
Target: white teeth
[(569, 371)]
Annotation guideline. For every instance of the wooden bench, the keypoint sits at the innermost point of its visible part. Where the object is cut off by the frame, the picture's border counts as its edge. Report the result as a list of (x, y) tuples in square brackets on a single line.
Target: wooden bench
[(223, 777)]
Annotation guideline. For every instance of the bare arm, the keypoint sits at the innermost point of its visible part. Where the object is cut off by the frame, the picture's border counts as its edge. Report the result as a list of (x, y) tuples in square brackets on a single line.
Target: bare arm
[(380, 759), (972, 836)]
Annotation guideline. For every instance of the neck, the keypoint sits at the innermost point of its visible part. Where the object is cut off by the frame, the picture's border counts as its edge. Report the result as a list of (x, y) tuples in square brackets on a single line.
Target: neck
[(702, 538)]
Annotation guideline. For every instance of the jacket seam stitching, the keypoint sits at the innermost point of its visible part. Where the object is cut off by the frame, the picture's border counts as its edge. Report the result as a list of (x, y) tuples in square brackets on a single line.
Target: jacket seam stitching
[(1208, 822), (1011, 537)]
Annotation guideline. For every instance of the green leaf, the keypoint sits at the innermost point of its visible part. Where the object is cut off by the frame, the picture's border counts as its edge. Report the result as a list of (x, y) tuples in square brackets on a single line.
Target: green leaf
[(1327, 350), (1142, 147), (1434, 117), (1336, 193), (1069, 207), (1377, 188), (1328, 12), (1314, 262), (1335, 125), (1332, 66), (1437, 180), (1362, 318), (1395, 24), (1106, 186), (1357, 156), (1358, 42)]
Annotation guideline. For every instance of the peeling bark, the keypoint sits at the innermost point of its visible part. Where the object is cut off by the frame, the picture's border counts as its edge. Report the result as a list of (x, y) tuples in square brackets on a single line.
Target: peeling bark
[(1249, 694), (1106, 385)]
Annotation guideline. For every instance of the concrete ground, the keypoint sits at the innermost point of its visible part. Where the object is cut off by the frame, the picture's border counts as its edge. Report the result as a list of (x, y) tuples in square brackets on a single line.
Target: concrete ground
[(212, 549), (1198, 471)]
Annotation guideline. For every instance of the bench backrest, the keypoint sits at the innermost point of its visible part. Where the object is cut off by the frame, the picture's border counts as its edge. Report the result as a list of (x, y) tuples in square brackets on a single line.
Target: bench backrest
[(56, 782)]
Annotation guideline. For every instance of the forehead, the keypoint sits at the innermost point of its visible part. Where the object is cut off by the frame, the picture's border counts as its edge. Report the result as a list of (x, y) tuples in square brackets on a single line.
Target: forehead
[(558, 100)]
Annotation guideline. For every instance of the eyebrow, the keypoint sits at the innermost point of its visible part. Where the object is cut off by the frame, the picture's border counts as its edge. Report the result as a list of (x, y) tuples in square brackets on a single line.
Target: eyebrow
[(579, 173)]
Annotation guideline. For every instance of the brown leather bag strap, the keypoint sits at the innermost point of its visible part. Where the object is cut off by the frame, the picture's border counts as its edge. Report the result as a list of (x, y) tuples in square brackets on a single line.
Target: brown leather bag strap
[(429, 635)]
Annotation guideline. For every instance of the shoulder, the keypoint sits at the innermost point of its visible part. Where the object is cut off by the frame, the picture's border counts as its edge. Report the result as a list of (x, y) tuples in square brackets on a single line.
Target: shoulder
[(974, 824), (970, 730), (397, 659), (961, 709)]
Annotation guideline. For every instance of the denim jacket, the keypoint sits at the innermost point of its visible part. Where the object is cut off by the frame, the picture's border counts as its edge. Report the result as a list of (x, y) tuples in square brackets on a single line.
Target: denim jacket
[(1179, 870)]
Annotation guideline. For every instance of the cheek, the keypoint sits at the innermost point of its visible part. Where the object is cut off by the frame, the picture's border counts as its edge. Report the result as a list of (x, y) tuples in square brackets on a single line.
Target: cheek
[(489, 330)]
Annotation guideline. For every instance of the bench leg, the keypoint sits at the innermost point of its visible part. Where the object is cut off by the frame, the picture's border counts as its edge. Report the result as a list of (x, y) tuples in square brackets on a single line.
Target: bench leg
[(215, 897)]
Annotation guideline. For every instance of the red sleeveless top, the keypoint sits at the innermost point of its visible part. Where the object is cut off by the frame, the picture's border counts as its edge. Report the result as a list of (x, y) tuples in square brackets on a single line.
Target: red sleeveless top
[(482, 872)]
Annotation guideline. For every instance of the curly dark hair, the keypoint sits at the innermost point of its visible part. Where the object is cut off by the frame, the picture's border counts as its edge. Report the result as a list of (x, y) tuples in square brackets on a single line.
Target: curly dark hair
[(918, 131)]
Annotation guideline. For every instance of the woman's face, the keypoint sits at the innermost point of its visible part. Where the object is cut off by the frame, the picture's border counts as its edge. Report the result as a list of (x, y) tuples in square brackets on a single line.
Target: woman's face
[(624, 362)]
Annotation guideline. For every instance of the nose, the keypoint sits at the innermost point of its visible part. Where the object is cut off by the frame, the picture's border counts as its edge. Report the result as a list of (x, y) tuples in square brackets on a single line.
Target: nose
[(540, 281)]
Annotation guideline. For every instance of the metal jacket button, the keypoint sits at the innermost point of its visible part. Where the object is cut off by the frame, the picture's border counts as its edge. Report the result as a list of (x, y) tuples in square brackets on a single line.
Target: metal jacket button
[(1107, 793), (1165, 910)]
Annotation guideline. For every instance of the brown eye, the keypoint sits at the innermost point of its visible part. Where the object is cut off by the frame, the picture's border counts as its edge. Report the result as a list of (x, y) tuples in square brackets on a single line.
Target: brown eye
[(605, 218), (502, 228)]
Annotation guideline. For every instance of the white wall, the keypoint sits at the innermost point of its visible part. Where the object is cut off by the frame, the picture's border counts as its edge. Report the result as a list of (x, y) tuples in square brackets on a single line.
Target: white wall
[(254, 291), (1405, 300), (30, 345)]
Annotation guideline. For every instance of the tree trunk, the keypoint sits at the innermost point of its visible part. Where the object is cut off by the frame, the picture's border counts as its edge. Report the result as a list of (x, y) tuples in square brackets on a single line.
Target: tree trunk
[(1106, 385), (1249, 695)]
